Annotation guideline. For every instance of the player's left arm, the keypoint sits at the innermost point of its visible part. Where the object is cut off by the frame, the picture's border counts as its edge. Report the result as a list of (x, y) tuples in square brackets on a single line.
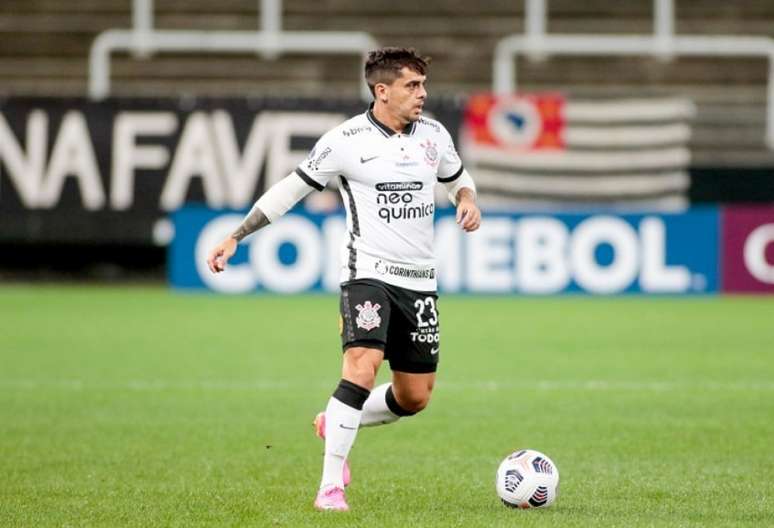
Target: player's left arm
[(460, 186), (463, 191)]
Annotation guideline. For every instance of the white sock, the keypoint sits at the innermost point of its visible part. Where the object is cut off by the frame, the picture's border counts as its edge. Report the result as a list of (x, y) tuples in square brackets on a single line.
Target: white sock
[(375, 409), (341, 425)]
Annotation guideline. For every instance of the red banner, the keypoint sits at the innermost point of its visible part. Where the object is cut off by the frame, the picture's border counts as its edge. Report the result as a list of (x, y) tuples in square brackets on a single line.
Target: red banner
[(748, 249), (526, 122)]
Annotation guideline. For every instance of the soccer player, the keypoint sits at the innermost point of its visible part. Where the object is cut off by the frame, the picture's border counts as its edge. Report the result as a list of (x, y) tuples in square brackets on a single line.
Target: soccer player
[(388, 160)]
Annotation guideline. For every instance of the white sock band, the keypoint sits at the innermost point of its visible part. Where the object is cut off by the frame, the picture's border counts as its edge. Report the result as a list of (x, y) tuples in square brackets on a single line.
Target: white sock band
[(375, 409)]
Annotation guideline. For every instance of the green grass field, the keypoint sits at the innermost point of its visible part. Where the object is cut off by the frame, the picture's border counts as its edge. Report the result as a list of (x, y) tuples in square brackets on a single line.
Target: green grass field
[(144, 407)]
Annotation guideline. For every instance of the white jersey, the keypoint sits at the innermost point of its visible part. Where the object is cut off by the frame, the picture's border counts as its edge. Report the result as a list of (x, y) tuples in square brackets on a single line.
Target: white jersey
[(387, 182)]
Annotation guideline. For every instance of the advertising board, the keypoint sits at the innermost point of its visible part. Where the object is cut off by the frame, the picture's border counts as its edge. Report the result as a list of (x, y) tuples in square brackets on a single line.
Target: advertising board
[(538, 254)]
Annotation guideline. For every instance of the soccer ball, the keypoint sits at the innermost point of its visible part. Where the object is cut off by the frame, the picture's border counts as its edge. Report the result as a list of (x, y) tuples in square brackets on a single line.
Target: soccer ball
[(527, 479)]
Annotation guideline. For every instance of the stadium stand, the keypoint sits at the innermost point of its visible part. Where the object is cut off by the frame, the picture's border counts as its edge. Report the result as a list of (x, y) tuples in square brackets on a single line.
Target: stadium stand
[(729, 93), (715, 151)]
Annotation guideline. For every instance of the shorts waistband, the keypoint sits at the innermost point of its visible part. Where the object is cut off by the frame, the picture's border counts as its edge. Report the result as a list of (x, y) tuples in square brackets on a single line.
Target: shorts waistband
[(411, 276)]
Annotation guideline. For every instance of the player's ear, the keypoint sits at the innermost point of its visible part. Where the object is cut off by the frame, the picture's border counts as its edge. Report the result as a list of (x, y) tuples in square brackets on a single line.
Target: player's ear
[(381, 92)]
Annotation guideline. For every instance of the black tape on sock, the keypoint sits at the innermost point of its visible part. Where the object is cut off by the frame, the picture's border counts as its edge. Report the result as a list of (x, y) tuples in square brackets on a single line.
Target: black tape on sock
[(394, 406), (351, 394)]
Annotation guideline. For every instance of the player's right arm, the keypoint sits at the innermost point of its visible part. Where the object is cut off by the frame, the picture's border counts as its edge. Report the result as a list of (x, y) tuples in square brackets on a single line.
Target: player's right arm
[(313, 173), (275, 202)]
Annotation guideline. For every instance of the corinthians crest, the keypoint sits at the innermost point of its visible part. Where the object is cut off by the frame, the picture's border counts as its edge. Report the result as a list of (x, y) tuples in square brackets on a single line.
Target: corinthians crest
[(431, 152), (368, 315)]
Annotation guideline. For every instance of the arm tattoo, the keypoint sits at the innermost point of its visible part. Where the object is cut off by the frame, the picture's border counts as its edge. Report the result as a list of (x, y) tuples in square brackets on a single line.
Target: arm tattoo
[(252, 222)]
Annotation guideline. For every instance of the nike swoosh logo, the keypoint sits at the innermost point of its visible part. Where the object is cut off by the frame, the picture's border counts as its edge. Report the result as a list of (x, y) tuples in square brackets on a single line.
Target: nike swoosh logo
[(366, 160), (345, 427), (433, 351)]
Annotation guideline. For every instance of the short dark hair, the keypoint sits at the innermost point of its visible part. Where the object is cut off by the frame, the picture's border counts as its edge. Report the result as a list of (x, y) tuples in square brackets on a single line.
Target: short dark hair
[(385, 64)]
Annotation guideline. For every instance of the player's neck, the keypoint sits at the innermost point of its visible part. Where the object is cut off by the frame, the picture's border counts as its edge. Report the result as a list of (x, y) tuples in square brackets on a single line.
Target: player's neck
[(383, 114)]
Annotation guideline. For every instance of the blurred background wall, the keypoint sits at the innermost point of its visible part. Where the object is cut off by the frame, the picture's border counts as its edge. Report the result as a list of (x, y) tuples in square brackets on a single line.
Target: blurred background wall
[(710, 148)]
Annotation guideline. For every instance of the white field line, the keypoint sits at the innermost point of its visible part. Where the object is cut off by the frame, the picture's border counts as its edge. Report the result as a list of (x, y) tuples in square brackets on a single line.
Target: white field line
[(268, 385)]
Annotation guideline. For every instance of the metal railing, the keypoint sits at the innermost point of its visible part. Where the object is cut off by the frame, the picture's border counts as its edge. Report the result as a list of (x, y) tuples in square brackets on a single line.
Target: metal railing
[(663, 43), (143, 40)]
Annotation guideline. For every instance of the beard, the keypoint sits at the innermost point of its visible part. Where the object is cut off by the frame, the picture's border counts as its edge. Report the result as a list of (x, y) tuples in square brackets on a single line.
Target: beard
[(414, 115)]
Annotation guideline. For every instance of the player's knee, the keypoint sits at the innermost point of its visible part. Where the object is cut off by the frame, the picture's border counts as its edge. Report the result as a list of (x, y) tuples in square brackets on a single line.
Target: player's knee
[(415, 403)]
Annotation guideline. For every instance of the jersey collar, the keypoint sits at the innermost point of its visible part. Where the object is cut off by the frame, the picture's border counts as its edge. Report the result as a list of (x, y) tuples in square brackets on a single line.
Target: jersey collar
[(384, 129)]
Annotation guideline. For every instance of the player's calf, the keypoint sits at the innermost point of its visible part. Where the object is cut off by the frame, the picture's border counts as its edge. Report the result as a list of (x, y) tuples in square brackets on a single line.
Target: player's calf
[(406, 403), (412, 405)]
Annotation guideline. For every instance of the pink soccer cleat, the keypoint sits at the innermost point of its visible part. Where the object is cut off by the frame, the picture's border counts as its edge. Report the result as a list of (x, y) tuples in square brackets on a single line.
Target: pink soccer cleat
[(331, 498), (319, 429)]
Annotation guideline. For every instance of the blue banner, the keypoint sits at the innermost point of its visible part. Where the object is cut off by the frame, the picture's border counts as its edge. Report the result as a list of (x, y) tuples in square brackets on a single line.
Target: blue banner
[(537, 254)]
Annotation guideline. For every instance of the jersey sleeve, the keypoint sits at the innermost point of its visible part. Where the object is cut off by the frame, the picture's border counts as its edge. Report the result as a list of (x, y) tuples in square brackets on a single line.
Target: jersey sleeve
[(322, 164), (450, 166)]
